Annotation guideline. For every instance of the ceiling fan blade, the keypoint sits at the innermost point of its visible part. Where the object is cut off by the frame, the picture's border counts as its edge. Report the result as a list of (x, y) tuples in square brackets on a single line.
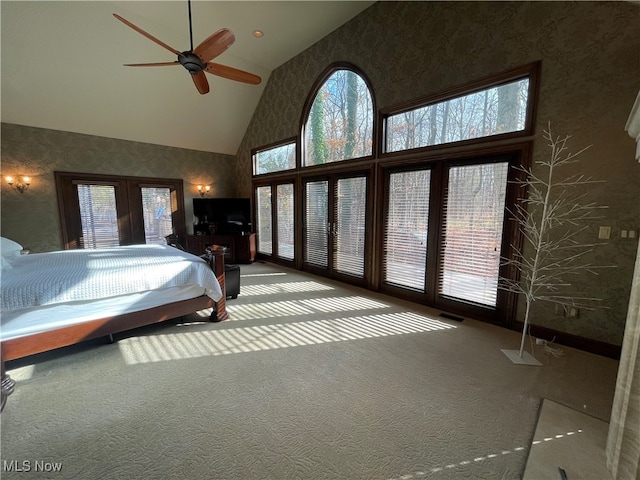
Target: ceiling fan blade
[(232, 73), (149, 36), (156, 64), (201, 83), (215, 44)]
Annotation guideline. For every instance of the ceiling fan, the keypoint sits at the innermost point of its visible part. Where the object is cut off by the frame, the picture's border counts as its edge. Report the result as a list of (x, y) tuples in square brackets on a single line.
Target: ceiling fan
[(198, 60)]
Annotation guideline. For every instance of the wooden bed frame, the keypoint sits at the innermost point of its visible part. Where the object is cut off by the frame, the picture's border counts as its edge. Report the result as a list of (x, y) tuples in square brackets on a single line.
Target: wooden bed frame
[(105, 327)]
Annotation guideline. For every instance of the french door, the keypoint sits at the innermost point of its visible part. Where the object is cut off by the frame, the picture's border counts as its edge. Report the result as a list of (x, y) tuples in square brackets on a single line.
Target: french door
[(444, 232), (105, 211), (264, 220), (275, 215), (335, 221)]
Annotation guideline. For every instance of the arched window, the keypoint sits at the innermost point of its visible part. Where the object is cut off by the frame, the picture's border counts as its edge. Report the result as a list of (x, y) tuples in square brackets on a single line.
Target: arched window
[(339, 123)]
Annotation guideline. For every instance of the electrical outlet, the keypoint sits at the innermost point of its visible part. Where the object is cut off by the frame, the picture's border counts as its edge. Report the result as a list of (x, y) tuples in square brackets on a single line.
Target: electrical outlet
[(573, 312), (604, 233)]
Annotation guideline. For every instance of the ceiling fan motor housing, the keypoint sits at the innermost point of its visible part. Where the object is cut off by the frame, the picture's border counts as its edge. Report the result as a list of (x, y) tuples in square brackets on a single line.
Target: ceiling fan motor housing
[(191, 62)]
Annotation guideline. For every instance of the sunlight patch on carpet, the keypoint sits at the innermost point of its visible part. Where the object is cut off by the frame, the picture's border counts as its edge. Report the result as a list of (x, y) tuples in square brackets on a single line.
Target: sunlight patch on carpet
[(21, 374), (556, 437), (158, 348), (268, 309), (272, 274), (301, 307), (288, 287)]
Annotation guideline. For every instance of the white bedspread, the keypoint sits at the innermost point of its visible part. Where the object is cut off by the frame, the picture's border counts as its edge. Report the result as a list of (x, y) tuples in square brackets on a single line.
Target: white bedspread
[(72, 275)]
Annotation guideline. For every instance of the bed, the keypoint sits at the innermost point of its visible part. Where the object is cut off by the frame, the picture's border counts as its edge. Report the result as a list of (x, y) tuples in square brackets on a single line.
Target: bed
[(55, 299)]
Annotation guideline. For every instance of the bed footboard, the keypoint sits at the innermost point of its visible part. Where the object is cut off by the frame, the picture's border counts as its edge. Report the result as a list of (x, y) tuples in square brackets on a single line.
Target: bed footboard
[(8, 384), (215, 257)]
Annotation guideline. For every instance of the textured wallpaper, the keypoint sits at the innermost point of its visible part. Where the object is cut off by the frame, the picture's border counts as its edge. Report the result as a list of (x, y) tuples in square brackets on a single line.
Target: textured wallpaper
[(32, 218), (590, 78)]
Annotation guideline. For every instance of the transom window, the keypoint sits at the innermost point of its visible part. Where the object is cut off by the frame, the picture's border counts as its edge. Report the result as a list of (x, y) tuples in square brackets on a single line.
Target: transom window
[(481, 113), (275, 159), (339, 125)]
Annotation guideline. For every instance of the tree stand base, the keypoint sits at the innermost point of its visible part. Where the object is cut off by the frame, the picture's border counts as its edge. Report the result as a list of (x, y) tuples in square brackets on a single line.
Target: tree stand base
[(525, 359)]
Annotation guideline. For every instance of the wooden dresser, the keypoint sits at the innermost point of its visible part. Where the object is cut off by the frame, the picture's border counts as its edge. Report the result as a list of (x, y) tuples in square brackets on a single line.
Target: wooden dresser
[(238, 248)]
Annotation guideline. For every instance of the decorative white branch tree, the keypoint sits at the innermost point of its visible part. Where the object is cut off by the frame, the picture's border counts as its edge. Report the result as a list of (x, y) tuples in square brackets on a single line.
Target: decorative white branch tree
[(552, 219)]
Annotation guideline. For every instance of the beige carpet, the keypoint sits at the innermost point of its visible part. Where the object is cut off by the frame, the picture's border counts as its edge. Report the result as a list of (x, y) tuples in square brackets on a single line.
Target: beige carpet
[(310, 379)]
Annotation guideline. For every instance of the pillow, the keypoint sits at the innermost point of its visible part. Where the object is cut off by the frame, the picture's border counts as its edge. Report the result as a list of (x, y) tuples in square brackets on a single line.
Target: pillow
[(4, 264), (9, 249)]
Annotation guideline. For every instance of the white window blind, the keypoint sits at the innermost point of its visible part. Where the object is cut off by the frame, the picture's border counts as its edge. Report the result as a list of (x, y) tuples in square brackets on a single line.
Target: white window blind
[(406, 229), (264, 219), (350, 219), (285, 216), (156, 212), (98, 216), (316, 223), (474, 214)]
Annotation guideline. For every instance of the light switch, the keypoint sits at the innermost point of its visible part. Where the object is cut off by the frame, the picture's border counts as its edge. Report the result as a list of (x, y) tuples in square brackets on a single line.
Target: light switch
[(632, 234), (623, 234), (604, 233)]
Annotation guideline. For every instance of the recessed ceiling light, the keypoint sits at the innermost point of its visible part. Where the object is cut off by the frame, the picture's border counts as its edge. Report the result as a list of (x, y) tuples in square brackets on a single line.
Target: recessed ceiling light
[(258, 33)]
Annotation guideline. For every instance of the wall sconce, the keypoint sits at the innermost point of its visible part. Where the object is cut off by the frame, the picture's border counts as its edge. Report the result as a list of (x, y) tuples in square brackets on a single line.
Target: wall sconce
[(20, 183), (203, 189)]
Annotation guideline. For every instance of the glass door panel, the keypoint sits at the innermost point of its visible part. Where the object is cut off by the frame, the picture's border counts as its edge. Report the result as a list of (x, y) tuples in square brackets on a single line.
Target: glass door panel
[(156, 214), (285, 221), (473, 223), (264, 220), (98, 216), (316, 223), (406, 229), (349, 221)]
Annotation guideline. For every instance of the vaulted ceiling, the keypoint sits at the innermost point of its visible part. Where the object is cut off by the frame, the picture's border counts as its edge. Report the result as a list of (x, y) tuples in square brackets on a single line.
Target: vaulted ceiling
[(62, 65)]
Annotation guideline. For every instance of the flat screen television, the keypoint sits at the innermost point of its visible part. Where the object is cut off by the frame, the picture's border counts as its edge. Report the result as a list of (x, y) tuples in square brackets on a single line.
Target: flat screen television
[(222, 215)]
